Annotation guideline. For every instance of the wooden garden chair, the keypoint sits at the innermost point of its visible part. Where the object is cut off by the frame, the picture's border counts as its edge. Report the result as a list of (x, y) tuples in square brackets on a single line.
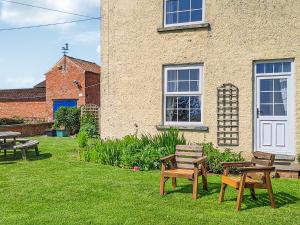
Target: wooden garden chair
[(188, 162), (254, 174)]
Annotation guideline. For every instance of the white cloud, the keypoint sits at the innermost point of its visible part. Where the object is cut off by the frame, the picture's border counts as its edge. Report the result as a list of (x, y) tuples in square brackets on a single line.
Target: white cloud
[(87, 37), (23, 81), (22, 15), (99, 49)]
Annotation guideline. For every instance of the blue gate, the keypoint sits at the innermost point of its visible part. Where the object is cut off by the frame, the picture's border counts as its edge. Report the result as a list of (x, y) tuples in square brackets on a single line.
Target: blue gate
[(66, 103)]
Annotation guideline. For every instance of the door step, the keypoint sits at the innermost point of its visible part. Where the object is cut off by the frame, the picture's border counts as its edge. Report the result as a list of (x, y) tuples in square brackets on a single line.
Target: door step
[(284, 157), (285, 169)]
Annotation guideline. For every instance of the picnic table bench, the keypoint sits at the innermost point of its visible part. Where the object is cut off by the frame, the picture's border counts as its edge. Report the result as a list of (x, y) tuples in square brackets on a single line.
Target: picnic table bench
[(10, 140), (27, 146)]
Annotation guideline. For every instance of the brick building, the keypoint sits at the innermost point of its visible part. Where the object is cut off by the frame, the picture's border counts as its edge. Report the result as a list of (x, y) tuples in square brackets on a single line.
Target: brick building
[(70, 82)]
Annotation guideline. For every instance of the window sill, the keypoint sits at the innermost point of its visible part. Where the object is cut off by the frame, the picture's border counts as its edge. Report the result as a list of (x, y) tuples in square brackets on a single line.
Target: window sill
[(184, 27), (183, 128)]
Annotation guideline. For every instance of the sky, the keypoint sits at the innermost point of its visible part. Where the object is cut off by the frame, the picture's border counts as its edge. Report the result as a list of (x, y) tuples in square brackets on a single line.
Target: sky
[(26, 55)]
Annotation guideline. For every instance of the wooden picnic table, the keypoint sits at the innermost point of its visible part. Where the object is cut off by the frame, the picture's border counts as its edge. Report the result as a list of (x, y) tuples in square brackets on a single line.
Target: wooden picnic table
[(9, 134)]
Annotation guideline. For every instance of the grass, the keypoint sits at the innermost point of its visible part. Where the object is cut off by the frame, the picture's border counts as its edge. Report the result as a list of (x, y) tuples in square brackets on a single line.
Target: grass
[(58, 189)]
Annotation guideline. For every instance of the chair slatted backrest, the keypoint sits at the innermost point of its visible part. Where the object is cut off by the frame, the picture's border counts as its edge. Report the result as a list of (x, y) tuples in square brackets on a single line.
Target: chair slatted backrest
[(263, 158), (186, 154)]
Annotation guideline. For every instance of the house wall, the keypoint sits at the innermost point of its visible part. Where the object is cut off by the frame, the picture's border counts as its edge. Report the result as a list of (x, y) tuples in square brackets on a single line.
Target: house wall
[(59, 85), (30, 110), (92, 90), (133, 55)]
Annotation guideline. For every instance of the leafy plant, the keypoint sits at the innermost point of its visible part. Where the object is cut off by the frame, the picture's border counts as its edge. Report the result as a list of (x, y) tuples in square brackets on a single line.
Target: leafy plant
[(11, 121), (82, 138), (167, 139), (215, 157), (89, 125), (68, 118), (299, 158), (131, 151)]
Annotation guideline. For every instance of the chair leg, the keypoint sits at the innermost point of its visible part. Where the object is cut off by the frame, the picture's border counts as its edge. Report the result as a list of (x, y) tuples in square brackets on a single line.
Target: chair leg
[(270, 189), (15, 154), (174, 182), (204, 178), (195, 188), (252, 192), (241, 192), (222, 192), (162, 184)]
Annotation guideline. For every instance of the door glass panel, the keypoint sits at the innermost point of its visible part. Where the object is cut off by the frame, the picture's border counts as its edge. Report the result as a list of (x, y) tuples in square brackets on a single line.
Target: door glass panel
[(280, 84), (260, 68), (266, 97), (273, 97), (277, 67), (266, 85), (287, 67), (269, 67), (266, 109), (280, 97), (280, 110)]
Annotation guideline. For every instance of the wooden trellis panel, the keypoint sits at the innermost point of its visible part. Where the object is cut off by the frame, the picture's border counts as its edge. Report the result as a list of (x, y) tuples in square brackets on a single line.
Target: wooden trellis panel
[(91, 109), (228, 115)]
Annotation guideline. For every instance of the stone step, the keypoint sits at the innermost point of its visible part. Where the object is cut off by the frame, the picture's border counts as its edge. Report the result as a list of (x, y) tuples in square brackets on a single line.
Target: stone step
[(284, 157), (287, 169)]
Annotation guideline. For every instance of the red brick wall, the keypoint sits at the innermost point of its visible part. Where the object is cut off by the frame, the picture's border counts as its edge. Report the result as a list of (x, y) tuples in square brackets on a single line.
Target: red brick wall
[(59, 85), (92, 91), (28, 130), (23, 110)]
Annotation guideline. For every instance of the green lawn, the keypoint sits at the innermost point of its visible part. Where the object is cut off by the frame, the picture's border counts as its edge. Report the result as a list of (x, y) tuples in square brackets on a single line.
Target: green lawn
[(58, 189)]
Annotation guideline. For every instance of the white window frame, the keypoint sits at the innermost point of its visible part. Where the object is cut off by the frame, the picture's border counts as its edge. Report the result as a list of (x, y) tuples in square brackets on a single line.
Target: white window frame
[(193, 93), (183, 24)]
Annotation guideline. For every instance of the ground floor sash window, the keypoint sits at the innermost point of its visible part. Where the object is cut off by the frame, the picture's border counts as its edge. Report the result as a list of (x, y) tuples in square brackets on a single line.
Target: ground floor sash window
[(183, 95)]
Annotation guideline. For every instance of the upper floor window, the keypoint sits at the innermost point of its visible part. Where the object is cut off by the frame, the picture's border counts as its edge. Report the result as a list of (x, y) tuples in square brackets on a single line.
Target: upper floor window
[(183, 12)]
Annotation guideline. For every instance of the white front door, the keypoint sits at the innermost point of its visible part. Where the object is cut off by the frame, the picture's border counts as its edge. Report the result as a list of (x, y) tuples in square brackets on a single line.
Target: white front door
[(274, 128)]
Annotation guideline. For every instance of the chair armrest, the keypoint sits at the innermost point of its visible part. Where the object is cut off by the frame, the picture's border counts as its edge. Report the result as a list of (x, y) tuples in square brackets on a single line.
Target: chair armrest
[(257, 169), (236, 164), (200, 160), (167, 158)]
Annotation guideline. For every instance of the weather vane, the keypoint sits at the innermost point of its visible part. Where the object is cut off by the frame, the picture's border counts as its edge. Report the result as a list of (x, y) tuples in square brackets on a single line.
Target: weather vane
[(65, 49)]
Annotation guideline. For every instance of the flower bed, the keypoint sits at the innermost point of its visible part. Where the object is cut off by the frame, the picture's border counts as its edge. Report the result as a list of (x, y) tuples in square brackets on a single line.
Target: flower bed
[(144, 153)]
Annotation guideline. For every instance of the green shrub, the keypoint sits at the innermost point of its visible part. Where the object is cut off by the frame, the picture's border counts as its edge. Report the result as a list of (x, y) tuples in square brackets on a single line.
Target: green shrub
[(11, 121), (89, 124), (299, 158), (130, 151), (68, 118), (166, 139), (106, 152), (82, 139), (215, 157)]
